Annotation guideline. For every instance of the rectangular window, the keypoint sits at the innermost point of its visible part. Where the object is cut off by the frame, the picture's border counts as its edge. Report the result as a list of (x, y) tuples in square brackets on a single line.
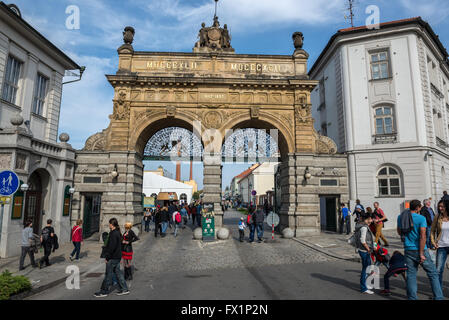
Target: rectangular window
[(380, 65), (11, 83), (40, 91)]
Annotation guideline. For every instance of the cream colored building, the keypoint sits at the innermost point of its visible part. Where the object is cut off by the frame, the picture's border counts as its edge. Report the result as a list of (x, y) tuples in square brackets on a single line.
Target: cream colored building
[(260, 178), (31, 75)]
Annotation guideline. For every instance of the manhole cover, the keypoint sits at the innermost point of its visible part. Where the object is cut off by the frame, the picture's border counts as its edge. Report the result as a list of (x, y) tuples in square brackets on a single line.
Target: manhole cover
[(94, 275)]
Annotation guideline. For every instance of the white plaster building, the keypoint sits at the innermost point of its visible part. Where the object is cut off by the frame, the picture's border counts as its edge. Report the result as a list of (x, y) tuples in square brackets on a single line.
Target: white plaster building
[(384, 99), (31, 74), (260, 177)]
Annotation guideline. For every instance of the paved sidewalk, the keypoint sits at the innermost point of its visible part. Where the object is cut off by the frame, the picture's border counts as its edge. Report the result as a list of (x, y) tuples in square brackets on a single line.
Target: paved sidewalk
[(47, 277), (336, 245)]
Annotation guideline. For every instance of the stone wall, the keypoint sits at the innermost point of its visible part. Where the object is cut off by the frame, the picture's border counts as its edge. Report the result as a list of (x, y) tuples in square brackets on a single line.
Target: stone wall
[(301, 198), (121, 196)]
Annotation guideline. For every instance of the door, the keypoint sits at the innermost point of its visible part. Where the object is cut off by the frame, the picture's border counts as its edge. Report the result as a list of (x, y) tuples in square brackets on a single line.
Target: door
[(331, 214), (91, 217), (33, 209)]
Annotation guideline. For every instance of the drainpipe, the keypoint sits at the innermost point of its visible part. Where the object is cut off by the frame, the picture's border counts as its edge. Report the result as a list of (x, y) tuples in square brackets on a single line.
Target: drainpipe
[(82, 69)]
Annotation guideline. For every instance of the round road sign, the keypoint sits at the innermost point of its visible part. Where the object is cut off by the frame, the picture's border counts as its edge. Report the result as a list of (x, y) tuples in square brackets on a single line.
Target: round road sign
[(9, 183), (272, 219)]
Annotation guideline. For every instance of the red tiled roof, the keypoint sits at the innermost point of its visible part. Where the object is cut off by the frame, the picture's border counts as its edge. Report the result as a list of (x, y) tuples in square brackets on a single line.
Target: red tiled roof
[(247, 172), (381, 25)]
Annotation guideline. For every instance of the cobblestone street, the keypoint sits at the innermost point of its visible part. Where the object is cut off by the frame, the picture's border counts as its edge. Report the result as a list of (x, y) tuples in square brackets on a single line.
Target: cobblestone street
[(185, 269)]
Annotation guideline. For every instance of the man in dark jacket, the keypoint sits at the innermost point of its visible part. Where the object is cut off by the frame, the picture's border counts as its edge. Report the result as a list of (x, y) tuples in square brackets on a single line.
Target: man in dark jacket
[(445, 196), (47, 236), (113, 255), (427, 212), (165, 218), (157, 222), (258, 219)]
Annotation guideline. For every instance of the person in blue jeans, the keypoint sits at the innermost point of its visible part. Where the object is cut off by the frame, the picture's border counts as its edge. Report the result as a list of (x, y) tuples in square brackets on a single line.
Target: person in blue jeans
[(251, 226), (365, 245), (415, 251), (258, 219), (439, 237)]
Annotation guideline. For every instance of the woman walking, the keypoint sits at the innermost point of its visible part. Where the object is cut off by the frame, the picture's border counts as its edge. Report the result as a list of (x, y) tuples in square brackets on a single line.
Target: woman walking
[(77, 239), (439, 236), (147, 219), (127, 249)]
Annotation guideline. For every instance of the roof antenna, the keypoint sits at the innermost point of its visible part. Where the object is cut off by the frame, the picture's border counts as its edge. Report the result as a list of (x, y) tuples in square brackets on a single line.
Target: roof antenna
[(350, 8)]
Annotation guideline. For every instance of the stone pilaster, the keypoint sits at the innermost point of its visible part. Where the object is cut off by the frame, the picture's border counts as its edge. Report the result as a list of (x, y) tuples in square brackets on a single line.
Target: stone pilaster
[(212, 184)]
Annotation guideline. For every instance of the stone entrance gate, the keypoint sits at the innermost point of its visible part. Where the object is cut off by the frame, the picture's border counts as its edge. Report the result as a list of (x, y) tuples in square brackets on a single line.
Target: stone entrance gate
[(210, 91)]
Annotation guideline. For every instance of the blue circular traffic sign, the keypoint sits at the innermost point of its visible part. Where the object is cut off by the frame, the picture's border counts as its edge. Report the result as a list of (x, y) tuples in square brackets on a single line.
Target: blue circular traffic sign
[(9, 183)]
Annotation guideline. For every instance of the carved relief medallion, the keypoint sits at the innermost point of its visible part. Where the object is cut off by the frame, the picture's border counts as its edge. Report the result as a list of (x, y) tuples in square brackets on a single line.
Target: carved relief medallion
[(213, 119), (171, 111)]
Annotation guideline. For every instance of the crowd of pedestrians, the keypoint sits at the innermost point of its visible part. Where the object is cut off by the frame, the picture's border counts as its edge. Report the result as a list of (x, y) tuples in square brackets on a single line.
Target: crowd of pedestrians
[(425, 237), (172, 215)]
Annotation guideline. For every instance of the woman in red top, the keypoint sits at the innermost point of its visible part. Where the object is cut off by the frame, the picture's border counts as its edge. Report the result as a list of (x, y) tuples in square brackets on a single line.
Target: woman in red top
[(127, 249), (77, 239)]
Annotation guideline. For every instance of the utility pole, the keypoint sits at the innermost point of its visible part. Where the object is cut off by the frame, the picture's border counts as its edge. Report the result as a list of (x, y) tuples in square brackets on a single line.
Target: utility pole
[(216, 3)]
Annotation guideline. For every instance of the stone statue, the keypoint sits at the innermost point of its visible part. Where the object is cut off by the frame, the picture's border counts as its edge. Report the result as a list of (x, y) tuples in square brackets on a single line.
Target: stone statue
[(213, 38), (226, 38), (128, 35), (298, 40), (203, 35)]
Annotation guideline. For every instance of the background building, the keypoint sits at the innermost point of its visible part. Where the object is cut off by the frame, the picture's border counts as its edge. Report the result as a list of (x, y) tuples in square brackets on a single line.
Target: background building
[(31, 74), (154, 183), (383, 97), (259, 177)]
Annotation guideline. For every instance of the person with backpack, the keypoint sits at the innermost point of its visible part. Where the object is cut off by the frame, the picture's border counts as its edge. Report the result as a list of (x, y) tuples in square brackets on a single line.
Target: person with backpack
[(112, 252), (177, 219), (77, 239), (242, 228), (27, 238), (47, 238), (127, 249), (379, 220), (411, 226), (363, 241)]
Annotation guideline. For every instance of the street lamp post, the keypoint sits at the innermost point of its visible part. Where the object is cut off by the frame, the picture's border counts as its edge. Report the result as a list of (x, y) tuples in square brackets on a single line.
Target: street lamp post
[(24, 187)]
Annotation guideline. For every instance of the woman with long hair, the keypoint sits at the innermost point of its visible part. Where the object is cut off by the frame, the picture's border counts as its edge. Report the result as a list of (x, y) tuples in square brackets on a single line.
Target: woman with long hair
[(439, 236), (77, 239), (127, 249)]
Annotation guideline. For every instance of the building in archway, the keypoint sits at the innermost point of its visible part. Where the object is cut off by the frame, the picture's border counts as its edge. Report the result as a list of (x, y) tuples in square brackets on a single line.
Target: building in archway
[(31, 75), (211, 92), (154, 183)]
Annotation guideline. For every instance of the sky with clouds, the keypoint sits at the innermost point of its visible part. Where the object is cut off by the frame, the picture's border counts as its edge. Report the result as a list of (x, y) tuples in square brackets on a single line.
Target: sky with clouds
[(257, 26)]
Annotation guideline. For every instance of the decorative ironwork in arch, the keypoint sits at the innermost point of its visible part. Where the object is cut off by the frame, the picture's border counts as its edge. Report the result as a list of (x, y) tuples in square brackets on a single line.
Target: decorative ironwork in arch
[(174, 143), (251, 145)]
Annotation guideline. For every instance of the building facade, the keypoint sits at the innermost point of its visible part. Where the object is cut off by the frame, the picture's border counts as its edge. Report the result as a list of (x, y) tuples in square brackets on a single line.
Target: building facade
[(383, 97), (31, 74)]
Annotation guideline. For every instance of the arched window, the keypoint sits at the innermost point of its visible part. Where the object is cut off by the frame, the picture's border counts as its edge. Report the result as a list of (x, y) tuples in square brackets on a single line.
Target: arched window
[(384, 120), (389, 181)]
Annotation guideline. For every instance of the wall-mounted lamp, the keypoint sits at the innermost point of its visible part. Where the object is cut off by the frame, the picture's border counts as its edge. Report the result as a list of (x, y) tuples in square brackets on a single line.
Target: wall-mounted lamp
[(428, 154), (114, 172), (307, 174)]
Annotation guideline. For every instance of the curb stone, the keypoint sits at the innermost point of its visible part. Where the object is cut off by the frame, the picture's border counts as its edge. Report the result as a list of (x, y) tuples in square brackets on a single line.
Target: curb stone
[(326, 252)]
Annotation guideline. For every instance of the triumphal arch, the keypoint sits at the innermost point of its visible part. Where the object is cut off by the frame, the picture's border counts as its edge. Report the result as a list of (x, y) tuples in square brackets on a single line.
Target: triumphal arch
[(210, 91)]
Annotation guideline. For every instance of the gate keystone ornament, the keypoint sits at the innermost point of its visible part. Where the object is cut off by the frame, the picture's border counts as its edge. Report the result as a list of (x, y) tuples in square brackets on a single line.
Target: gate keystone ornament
[(211, 89)]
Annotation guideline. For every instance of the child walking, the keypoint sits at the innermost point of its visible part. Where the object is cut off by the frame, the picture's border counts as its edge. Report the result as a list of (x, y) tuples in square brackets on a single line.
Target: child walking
[(242, 228)]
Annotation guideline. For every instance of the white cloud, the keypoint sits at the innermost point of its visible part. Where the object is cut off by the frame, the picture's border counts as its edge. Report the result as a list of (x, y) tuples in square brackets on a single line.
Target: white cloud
[(434, 11)]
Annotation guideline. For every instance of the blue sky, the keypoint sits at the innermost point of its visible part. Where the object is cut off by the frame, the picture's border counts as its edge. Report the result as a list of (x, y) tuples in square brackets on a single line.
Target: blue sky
[(257, 26)]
